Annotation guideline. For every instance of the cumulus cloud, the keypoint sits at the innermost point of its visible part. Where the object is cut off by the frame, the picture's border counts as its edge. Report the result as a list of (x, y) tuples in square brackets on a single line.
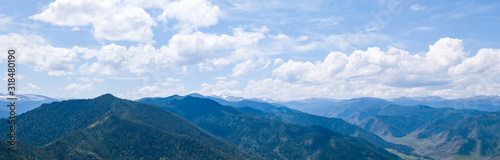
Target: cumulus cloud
[(111, 19), (442, 71), (486, 60), (153, 91), (117, 20), (221, 87), (390, 67), (40, 55), (249, 66), (190, 14), (182, 50)]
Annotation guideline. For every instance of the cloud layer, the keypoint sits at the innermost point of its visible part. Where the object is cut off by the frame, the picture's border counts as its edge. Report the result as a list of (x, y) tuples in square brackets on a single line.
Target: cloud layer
[(442, 71), (242, 48)]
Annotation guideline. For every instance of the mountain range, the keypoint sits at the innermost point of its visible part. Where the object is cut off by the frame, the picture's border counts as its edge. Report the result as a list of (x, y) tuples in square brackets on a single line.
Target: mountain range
[(441, 133), (177, 127), (287, 115), (267, 138), (203, 127), (24, 103), (107, 127), (318, 105)]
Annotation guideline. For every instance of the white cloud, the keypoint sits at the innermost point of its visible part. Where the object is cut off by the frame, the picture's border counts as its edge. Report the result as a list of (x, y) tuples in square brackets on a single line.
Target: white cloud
[(485, 61), (243, 68), (442, 71), (31, 86), (169, 81), (219, 78), (37, 53), (112, 20), (371, 29), (342, 42), (220, 88), (278, 61), (345, 41), (417, 7), (196, 48), (75, 29), (445, 52), (155, 91), (388, 67), (76, 88), (190, 14), (250, 66)]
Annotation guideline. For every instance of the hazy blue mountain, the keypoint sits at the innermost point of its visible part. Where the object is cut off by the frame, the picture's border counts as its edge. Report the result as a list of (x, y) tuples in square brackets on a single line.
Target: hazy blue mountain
[(441, 133), (334, 108), (107, 127), (483, 103), (254, 104), (269, 138), (24, 103), (224, 100), (331, 107)]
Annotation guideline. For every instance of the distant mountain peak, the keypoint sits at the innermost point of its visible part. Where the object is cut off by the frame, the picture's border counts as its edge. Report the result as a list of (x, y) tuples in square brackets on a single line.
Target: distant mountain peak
[(107, 95), (196, 95)]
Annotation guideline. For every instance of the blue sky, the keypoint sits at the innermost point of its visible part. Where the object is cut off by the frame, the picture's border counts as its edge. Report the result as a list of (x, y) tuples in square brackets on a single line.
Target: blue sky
[(252, 48)]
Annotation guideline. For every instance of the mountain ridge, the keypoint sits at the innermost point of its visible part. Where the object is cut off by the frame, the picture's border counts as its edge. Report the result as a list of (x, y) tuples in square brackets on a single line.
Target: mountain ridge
[(264, 137), (72, 124)]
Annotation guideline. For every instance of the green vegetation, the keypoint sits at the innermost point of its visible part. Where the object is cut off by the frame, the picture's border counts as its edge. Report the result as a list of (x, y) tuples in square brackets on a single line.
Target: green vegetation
[(440, 133), (335, 124), (111, 128), (269, 138)]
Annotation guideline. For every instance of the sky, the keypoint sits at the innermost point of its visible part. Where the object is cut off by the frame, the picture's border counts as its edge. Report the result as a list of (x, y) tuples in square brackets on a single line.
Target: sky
[(270, 49)]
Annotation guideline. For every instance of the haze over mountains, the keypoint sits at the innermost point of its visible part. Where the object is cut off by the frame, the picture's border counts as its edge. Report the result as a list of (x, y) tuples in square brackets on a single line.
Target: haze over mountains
[(107, 127), (441, 133), (196, 126), (267, 138), (25, 102)]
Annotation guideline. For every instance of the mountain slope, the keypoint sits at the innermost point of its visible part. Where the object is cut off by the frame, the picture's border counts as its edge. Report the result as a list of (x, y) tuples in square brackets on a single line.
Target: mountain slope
[(483, 103), (335, 108), (441, 133), (109, 127), (335, 124), (118, 138), (267, 138)]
